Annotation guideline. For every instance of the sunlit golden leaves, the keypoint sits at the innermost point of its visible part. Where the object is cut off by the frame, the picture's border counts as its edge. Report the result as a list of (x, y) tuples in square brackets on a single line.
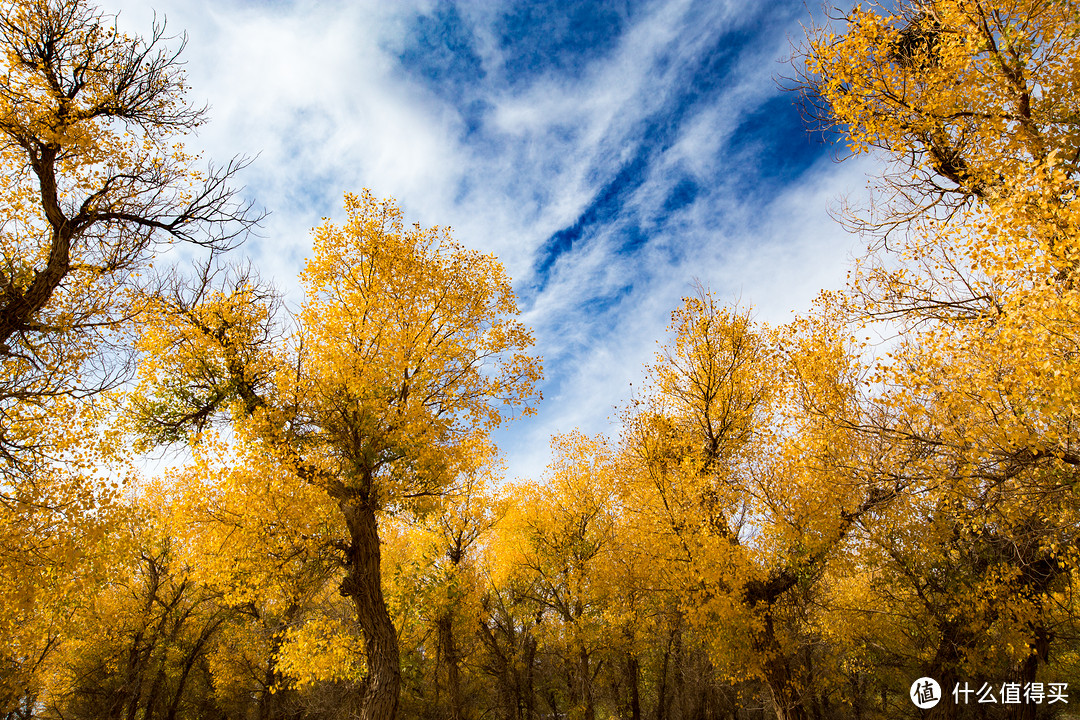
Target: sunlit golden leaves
[(94, 180), (973, 407), (413, 345)]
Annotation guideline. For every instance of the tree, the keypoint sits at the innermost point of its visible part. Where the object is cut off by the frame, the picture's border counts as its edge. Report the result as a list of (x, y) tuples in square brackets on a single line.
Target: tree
[(141, 642), (738, 473), (259, 541), (94, 183), (968, 101), (437, 563), (559, 534), (406, 352), (974, 106)]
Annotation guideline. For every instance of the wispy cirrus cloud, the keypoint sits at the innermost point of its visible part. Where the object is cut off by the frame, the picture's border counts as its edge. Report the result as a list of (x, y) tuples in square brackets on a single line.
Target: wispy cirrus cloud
[(611, 153)]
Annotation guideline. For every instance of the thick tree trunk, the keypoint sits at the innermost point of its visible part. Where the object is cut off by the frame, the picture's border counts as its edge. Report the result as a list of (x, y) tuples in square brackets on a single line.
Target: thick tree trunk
[(947, 708), (1040, 651), (363, 583), (585, 679), (449, 653), (955, 636), (778, 676)]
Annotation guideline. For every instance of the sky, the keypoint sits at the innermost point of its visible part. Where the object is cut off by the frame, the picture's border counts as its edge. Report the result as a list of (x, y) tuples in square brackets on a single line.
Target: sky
[(611, 154)]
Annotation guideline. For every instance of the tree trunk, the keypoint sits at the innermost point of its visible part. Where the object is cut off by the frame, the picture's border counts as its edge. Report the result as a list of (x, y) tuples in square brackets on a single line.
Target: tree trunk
[(585, 673), (189, 663), (530, 645), (661, 699), (448, 645), (954, 637), (678, 694), (777, 669), (633, 675), (1040, 651), (363, 583)]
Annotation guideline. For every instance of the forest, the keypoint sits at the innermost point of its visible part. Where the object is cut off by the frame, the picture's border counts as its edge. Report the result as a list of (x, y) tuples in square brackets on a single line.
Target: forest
[(791, 521)]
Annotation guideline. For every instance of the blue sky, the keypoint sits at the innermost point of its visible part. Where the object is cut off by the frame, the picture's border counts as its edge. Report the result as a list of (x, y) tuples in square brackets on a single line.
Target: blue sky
[(611, 154)]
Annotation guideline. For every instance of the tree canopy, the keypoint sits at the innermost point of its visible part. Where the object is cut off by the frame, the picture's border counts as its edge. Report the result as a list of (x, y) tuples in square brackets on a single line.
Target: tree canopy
[(789, 522)]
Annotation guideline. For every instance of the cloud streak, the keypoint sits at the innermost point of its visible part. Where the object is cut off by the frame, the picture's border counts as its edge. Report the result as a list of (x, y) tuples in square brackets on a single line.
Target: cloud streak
[(610, 153)]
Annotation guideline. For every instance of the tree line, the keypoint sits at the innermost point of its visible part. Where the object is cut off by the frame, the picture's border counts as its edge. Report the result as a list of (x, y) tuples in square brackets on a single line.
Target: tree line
[(792, 521)]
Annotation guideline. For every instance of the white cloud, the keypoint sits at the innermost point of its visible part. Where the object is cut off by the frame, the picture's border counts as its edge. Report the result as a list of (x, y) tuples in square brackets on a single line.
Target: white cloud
[(313, 88)]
